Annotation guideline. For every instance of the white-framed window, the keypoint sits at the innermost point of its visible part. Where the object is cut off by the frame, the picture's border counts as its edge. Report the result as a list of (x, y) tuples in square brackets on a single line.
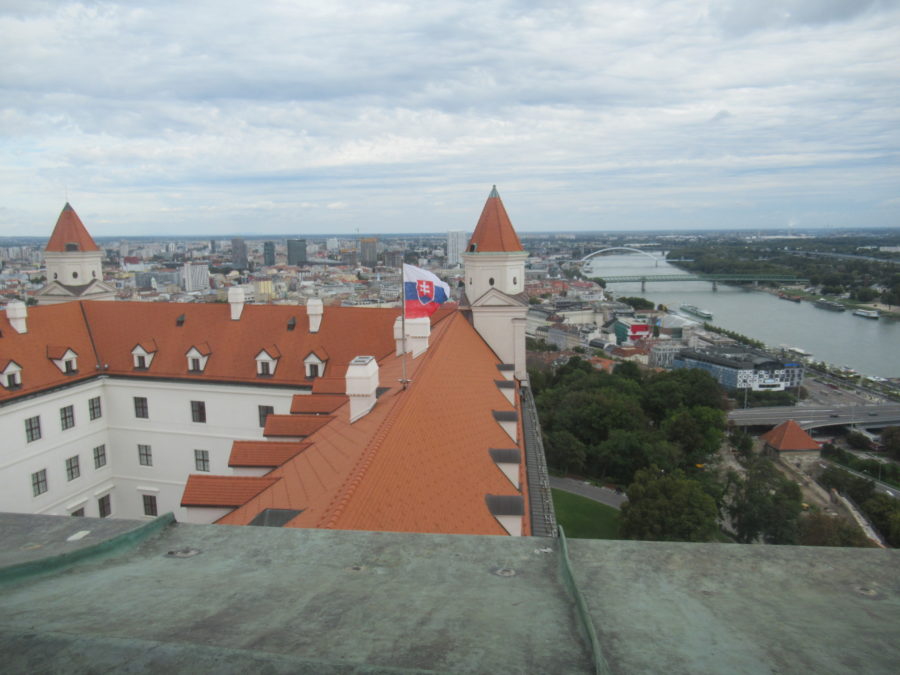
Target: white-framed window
[(95, 408), (67, 417), (104, 506), (142, 358), (33, 428), (201, 460), (314, 366), (141, 409), (149, 505), (264, 412), (65, 359), (39, 482), (100, 456), (11, 377), (198, 411), (145, 455), (73, 468), (196, 359)]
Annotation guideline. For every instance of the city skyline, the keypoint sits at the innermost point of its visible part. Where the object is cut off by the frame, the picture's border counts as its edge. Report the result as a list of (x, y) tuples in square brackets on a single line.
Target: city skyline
[(587, 116)]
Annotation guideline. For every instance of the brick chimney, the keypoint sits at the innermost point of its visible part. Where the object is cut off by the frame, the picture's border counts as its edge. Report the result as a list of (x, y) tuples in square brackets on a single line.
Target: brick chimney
[(236, 300), (17, 313), (314, 311), (362, 385)]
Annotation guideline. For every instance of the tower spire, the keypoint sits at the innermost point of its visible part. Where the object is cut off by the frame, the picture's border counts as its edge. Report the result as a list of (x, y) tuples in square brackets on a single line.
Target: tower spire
[(494, 232)]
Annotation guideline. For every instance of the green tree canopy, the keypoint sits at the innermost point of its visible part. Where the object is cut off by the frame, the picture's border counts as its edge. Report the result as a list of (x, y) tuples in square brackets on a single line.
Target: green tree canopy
[(765, 505), (668, 507)]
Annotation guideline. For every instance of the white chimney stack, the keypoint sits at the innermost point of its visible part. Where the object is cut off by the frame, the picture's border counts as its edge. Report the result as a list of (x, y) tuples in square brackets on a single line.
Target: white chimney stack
[(236, 300), (16, 313), (417, 333), (362, 385), (314, 311)]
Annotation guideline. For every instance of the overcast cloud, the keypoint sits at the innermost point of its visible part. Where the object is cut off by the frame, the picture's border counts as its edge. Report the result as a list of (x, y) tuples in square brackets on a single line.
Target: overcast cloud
[(307, 117)]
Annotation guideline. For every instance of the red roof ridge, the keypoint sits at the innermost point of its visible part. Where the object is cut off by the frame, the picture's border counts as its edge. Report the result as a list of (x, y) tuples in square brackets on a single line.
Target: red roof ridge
[(70, 232), (494, 232), (264, 453), (294, 425), (343, 495)]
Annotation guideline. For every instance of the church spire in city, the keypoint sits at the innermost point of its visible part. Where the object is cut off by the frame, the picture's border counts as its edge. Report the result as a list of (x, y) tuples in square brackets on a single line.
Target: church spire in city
[(494, 232)]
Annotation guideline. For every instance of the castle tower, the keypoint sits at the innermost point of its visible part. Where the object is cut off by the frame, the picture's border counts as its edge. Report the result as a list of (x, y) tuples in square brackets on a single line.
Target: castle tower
[(74, 263), (494, 263)]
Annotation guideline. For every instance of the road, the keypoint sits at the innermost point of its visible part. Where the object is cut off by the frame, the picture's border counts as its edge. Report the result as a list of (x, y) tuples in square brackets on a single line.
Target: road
[(808, 417), (882, 488), (604, 495)]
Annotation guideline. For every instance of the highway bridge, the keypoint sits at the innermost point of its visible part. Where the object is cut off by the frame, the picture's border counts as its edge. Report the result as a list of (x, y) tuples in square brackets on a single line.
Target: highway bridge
[(811, 417), (714, 279)]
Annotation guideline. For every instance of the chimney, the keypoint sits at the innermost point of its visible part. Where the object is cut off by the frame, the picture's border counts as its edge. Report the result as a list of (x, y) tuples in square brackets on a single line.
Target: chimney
[(314, 312), (417, 333), (16, 313), (236, 300), (362, 385)]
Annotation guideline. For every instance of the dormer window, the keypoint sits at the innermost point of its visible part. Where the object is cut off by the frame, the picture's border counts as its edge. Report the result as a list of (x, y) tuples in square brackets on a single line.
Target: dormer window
[(64, 358), (143, 354), (314, 364), (197, 357), (11, 376), (267, 361)]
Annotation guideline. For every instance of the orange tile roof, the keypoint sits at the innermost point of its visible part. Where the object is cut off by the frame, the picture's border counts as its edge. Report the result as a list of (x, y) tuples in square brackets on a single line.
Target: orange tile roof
[(418, 462), (329, 385), (789, 436), (264, 453), (223, 491), (70, 230), (494, 231), (294, 425), (316, 404), (56, 352)]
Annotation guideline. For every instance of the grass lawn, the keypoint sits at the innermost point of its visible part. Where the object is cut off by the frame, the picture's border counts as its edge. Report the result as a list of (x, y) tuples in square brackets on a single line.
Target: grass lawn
[(584, 518)]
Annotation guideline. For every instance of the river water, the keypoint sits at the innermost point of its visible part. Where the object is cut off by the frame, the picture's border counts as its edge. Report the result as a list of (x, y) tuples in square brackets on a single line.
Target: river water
[(871, 347)]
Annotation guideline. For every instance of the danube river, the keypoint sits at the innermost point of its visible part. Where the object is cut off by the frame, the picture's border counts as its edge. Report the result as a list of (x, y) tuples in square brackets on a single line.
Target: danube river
[(840, 338)]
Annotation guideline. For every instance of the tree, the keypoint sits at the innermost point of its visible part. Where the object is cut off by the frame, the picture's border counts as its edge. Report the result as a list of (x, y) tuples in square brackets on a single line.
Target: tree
[(637, 302), (628, 369), (819, 529), (668, 507), (890, 438), (697, 430), (765, 505)]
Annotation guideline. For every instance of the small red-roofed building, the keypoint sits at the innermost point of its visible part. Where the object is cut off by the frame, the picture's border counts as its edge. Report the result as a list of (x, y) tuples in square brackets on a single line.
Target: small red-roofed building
[(790, 443)]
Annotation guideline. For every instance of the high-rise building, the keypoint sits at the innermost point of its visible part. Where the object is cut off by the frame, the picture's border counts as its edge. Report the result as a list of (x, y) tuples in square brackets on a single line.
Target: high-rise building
[(456, 244), (269, 253), (296, 251), (195, 277), (239, 253), (368, 251), (332, 244)]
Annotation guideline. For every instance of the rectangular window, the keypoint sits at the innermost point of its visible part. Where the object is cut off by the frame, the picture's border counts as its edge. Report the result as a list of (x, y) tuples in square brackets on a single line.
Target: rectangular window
[(264, 368), (78, 513), (198, 411), (140, 362), (12, 381), (313, 370), (195, 365), (70, 367), (145, 455), (149, 505), (201, 460), (104, 505), (73, 468), (67, 417), (140, 407), (39, 482), (33, 428), (264, 412), (95, 410), (99, 456)]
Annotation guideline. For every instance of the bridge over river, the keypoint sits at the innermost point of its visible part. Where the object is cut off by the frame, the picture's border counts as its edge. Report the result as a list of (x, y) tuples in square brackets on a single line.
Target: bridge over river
[(644, 279)]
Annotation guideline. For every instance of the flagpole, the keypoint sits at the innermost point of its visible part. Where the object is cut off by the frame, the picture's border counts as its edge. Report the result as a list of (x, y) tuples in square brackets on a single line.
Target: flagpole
[(403, 379)]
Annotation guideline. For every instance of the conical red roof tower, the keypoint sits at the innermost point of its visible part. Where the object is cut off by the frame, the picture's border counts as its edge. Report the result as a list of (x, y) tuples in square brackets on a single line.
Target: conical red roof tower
[(494, 232), (70, 234)]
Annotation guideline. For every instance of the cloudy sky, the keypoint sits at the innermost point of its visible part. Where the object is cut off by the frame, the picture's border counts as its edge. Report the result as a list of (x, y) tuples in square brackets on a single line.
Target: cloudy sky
[(308, 117)]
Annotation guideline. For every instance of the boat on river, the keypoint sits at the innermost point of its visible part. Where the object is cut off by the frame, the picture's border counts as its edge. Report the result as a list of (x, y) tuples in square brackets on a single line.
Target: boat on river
[(867, 313), (830, 305), (696, 311), (792, 298)]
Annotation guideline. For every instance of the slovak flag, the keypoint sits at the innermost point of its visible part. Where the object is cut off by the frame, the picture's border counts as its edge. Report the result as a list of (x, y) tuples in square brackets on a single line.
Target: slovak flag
[(423, 292)]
